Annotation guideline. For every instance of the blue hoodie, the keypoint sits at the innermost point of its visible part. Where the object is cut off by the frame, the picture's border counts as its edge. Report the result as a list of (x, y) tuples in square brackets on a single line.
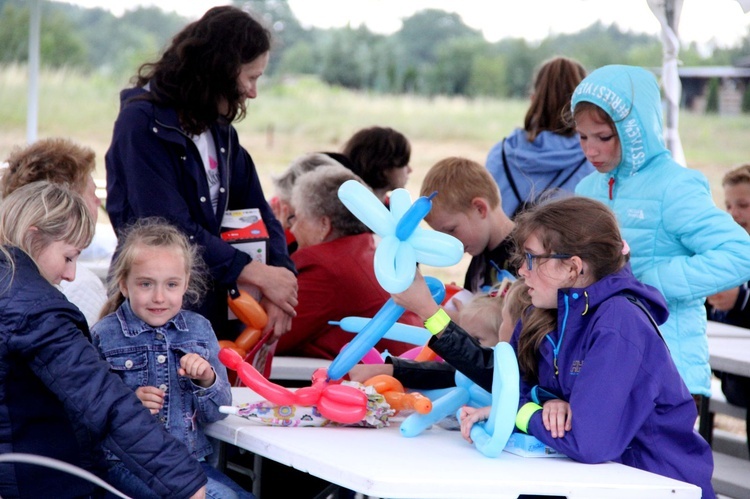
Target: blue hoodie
[(628, 402), (681, 243), (550, 161)]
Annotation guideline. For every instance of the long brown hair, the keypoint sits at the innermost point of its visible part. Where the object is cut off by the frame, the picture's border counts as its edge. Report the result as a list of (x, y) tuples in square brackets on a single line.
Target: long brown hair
[(200, 67), (553, 87), (577, 226)]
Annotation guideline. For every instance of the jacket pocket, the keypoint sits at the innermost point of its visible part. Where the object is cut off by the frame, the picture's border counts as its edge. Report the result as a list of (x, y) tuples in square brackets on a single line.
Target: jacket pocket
[(131, 367)]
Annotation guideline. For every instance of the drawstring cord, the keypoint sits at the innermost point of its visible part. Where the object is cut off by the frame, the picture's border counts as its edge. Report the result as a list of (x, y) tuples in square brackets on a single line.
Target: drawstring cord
[(586, 295), (556, 346), (611, 186)]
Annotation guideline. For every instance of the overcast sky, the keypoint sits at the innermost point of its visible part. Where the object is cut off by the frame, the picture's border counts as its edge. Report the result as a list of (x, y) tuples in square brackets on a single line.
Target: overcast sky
[(720, 22)]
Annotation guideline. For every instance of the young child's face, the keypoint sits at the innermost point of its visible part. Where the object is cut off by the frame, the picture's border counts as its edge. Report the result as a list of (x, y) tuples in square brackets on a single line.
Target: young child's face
[(599, 142), (737, 199), (546, 277), (477, 328), (156, 283), (468, 227)]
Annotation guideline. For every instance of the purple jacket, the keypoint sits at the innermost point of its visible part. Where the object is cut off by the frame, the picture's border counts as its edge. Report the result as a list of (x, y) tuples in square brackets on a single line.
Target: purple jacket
[(628, 401), (154, 169)]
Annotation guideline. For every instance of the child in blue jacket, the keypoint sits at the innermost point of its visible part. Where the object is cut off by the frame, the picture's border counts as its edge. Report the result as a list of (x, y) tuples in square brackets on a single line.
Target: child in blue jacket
[(598, 382), (168, 356), (682, 243)]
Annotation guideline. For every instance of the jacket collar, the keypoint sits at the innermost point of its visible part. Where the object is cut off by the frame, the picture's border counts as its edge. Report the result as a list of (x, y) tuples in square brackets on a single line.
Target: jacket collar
[(132, 325)]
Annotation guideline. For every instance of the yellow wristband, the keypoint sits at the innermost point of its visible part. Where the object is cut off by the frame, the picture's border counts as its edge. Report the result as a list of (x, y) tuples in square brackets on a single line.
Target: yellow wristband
[(437, 322), (524, 415)]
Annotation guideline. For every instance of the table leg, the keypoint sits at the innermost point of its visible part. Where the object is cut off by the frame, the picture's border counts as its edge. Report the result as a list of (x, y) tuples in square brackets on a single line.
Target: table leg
[(706, 419)]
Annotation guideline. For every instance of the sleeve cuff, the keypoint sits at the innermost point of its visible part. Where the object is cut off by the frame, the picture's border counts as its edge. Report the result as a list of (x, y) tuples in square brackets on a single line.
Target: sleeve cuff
[(437, 322), (524, 415)]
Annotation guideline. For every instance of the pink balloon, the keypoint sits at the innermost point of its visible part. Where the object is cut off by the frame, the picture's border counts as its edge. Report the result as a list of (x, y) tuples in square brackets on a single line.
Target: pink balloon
[(372, 357), (255, 380)]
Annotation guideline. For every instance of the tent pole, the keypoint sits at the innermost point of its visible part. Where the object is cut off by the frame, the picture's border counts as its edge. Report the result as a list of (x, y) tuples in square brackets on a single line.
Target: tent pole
[(33, 68)]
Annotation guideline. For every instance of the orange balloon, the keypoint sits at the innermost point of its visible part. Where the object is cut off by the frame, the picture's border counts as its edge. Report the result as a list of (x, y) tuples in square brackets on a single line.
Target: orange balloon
[(248, 338), (384, 383), (400, 401), (248, 310), (232, 346), (425, 354)]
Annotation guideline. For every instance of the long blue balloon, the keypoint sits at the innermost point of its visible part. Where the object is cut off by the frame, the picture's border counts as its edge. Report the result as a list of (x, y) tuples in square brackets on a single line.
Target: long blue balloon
[(365, 340), (374, 331), (490, 437), (399, 332), (466, 392)]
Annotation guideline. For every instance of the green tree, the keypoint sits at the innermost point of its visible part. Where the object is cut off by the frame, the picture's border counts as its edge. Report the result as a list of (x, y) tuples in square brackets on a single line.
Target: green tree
[(422, 33), (451, 73), (339, 63), (59, 43), (488, 76)]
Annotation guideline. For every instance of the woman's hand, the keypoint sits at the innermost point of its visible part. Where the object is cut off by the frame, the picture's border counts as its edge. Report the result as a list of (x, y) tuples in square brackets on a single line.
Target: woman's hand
[(363, 372), (557, 417), (278, 320), (278, 285), (471, 415), (197, 368), (417, 298), (151, 397)]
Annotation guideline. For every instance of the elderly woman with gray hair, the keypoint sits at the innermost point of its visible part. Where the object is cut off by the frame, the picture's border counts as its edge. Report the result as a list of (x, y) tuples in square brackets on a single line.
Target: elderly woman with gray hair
[(335, 263)]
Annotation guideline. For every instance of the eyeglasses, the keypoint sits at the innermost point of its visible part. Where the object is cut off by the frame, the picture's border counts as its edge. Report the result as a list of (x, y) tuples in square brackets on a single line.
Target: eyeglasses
[(557, 256), (290, 219)]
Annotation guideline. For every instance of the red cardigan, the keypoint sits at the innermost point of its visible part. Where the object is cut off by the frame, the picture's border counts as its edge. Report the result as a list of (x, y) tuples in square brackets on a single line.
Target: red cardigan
[(336, 280)]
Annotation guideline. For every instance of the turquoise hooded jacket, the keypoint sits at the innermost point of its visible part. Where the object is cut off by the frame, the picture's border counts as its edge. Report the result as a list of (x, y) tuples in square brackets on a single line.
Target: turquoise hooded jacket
[(680, 242)]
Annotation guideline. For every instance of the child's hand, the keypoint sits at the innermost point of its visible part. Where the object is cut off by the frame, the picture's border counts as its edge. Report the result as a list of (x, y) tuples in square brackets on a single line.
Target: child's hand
[(363, 372), (557, 416), (197, 368), (417, 298), (151, 397), (471, 415), (725, 300)]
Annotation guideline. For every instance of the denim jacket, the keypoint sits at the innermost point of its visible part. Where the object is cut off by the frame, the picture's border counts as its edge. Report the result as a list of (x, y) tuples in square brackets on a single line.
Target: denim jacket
[(143, 355)]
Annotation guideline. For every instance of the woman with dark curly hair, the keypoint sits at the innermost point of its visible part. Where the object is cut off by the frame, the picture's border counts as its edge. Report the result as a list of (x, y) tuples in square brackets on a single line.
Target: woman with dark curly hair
[(381, 158), (175, 154)]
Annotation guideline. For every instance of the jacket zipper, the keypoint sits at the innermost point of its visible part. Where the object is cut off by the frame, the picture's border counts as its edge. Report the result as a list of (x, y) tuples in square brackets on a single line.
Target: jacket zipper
[(611, 186)]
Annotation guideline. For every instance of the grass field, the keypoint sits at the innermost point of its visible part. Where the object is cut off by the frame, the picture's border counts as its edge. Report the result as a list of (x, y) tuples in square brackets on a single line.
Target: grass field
[(296, 116)]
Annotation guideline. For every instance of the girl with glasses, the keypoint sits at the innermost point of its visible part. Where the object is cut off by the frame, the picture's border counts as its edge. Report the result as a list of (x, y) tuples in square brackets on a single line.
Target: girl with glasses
[(597, 380)]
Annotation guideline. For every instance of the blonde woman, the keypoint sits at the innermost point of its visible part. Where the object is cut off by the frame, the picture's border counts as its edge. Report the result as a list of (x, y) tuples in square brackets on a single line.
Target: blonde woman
[(58, 398)]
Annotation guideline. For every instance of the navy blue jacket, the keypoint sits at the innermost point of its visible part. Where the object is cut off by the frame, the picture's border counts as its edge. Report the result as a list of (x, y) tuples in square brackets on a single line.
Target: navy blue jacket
[(155, 169), (59, 399)]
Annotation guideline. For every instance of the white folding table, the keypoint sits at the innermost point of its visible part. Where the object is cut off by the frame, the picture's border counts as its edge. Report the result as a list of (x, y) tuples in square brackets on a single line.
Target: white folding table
[(436, 464)]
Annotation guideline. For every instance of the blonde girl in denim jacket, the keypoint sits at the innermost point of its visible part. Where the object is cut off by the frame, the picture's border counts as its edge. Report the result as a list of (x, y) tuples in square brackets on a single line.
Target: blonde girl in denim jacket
[(167, 355)]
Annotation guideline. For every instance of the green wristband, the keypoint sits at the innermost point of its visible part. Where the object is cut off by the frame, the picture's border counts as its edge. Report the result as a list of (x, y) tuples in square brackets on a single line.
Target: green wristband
[(524, 415), (437, 322)]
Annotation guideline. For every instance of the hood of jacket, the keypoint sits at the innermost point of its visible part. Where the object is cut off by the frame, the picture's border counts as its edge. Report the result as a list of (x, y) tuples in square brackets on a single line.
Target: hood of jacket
[(622, 282), (630, 96), (548, 153)]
